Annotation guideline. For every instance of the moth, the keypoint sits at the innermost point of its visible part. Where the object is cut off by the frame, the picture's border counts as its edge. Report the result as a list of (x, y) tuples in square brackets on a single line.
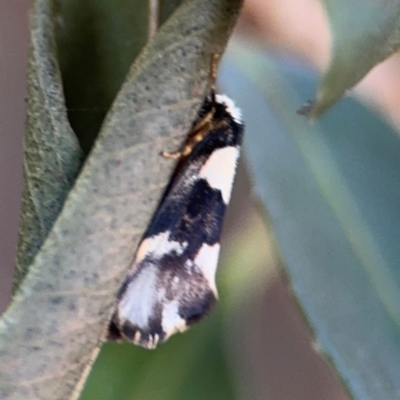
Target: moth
[(171, 283)]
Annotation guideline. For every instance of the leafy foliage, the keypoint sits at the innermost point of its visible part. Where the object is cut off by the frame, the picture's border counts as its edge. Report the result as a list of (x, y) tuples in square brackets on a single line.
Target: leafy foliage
[(93, 177), (50, 333)]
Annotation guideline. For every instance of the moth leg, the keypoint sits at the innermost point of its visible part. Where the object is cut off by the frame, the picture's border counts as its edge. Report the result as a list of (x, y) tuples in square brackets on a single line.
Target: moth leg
[(204, 125), (198, 133), (175, 155)]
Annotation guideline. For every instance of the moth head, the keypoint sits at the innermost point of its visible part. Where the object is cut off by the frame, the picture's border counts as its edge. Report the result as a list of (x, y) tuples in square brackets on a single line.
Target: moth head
[(161, 299)]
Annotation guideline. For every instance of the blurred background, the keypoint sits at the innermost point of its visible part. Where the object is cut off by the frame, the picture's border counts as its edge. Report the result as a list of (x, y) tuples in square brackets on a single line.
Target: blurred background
[(309, 198)]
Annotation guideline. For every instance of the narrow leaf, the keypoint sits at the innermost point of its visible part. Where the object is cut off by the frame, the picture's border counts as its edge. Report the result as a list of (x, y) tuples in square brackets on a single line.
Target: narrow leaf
[(92, 45), (57, 319), (331, 192), (364, 33), (52, 155)]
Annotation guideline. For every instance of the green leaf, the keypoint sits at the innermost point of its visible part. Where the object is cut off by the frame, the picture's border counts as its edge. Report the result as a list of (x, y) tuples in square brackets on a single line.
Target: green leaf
[(51, 332), (52, 155), (363, 34), (92, 47), (331, 192)]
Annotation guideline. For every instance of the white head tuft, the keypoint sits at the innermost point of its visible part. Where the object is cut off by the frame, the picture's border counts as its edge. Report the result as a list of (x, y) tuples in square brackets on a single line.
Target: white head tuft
[(230, 107)]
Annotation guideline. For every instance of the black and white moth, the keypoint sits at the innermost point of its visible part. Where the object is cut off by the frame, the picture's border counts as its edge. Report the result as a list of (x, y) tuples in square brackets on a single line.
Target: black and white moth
[(171, 284)]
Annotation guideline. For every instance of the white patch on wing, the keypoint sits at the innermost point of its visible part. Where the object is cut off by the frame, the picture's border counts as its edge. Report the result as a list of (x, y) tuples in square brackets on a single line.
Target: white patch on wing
[(137, 303), (158, 246), (171, 320), (207, 260), (230, 107), (219, 170)]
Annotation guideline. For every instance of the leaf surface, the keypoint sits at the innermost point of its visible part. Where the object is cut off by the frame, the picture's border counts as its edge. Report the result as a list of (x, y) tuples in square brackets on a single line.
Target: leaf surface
[(331, 192), (364, 33), (51, 332)]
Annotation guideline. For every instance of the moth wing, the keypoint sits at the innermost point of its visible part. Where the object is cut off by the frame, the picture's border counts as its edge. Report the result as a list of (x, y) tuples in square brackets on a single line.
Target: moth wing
[(172, 281)]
